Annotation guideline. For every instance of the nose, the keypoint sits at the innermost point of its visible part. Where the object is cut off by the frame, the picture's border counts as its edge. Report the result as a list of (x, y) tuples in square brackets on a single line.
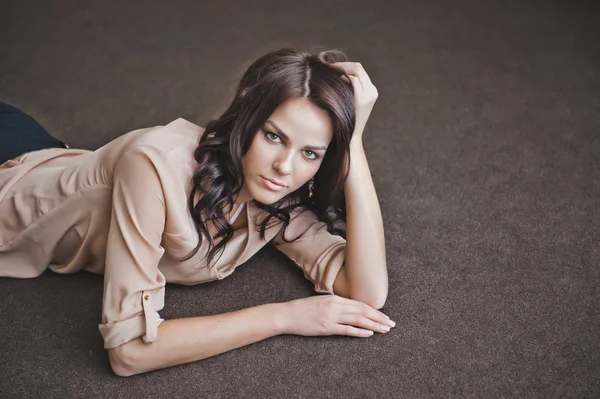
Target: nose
[(283, 163)]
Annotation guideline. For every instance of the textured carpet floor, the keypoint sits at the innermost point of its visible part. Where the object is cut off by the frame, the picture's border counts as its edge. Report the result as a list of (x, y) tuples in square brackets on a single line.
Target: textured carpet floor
[(484, 148)]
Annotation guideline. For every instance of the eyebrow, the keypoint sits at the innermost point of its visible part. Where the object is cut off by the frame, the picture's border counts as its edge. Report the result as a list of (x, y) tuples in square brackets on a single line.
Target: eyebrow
[(286, 137)]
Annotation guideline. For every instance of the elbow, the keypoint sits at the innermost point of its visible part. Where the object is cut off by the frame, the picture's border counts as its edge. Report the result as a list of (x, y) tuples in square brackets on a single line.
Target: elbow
[(377, 302), (380, 297), (121, 361), (375, 297)]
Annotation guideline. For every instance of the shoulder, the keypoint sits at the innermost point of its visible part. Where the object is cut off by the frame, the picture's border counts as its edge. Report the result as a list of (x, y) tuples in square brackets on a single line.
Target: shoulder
[(159, 160), (179, 133), (169, 145)]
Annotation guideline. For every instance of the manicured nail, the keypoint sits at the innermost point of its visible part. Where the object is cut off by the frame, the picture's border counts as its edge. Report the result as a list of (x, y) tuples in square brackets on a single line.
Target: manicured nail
[(392, 323), (385, 328)]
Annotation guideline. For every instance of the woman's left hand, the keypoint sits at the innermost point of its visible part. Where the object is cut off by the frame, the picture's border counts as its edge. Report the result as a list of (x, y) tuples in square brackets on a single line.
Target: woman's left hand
[(365, 94)]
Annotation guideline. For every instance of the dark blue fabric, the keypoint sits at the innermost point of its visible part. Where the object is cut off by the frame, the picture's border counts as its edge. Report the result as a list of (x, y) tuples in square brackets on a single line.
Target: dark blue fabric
[(20, 133)]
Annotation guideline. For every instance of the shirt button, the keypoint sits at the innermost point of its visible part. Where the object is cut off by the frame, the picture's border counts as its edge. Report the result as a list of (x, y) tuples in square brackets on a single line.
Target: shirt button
[(146, 297)]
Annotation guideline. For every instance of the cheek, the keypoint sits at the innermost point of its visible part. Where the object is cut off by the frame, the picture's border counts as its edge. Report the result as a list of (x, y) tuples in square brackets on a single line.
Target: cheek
[(305, 171), (254, 156)]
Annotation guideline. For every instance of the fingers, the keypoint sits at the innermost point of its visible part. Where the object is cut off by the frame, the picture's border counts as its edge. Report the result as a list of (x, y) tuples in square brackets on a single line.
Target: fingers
[(350, 331), (355, 82), (356, 320), (336, 315), (361, 308), (371, 314), (361, 82), (358, 87), (362, 317), (355, 69)]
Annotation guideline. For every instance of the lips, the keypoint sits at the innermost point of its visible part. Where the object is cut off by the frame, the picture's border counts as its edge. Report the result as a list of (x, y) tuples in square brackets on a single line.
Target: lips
[(274, 181), (273, 185)]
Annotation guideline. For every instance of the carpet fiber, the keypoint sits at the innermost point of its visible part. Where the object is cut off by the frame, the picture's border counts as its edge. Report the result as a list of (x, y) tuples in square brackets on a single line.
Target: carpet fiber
[(484, 148)]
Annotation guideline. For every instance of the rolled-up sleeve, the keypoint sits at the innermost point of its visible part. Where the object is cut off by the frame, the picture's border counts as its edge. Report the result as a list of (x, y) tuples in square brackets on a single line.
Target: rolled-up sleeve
[(133, 285), (313, 249)]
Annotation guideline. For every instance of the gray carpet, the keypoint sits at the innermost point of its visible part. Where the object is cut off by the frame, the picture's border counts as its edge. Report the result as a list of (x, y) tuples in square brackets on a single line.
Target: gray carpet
[(484, 148)]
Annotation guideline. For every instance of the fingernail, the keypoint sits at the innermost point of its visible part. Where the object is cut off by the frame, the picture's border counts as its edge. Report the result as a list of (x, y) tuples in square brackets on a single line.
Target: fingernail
[(392, 323), (385, 328)]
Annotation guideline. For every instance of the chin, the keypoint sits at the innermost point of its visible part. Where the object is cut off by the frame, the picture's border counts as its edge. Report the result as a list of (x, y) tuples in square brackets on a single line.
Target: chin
[(267, 197)]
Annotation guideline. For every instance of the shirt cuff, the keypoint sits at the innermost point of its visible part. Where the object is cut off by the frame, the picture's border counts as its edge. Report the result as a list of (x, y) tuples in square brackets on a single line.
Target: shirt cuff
[(144, 324), (119, 333)]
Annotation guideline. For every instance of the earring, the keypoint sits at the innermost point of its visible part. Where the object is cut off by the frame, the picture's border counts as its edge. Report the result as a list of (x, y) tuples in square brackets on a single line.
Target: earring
[(311, 186)]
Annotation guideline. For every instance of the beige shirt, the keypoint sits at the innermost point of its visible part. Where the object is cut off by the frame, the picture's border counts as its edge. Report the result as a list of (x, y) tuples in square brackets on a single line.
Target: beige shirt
[(122, 210)]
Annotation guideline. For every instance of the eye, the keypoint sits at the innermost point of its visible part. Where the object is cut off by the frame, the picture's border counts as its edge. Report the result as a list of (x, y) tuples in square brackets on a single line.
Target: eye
[(273, 137), (310, 154)]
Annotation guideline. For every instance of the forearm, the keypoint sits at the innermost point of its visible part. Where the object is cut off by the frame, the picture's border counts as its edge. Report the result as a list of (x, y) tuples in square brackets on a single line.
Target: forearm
[(186, 340), (365, 269)]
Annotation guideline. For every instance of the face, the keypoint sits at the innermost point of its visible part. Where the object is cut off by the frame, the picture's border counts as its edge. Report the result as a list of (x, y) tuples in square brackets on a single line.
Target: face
[(286, 152)]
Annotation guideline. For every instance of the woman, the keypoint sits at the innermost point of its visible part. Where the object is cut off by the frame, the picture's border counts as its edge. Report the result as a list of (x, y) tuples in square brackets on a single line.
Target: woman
[(182, 204)]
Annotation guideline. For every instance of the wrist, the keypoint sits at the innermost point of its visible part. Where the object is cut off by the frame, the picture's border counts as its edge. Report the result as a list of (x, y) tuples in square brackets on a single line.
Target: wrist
[(356, 146), (279, 317)]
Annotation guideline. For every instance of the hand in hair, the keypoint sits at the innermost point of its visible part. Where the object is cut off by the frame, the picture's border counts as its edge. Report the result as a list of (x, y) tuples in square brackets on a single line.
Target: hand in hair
[(365, 94), (333, 315)]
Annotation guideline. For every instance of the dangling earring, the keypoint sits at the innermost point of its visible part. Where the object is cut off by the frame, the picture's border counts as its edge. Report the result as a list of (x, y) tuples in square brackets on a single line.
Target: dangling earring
[(311, 186)]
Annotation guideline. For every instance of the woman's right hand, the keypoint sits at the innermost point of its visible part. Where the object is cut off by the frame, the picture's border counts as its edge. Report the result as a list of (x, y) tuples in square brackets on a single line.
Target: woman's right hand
[(333, 315)]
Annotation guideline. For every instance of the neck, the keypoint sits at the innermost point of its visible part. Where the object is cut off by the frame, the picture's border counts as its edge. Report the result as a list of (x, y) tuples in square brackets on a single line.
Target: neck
[(243, 196)]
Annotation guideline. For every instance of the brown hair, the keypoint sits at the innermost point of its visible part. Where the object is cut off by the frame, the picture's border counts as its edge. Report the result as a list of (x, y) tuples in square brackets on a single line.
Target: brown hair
[(269, 82)]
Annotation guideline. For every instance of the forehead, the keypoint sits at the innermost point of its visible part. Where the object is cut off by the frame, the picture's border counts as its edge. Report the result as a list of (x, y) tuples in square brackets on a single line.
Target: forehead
[(303, 122)]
